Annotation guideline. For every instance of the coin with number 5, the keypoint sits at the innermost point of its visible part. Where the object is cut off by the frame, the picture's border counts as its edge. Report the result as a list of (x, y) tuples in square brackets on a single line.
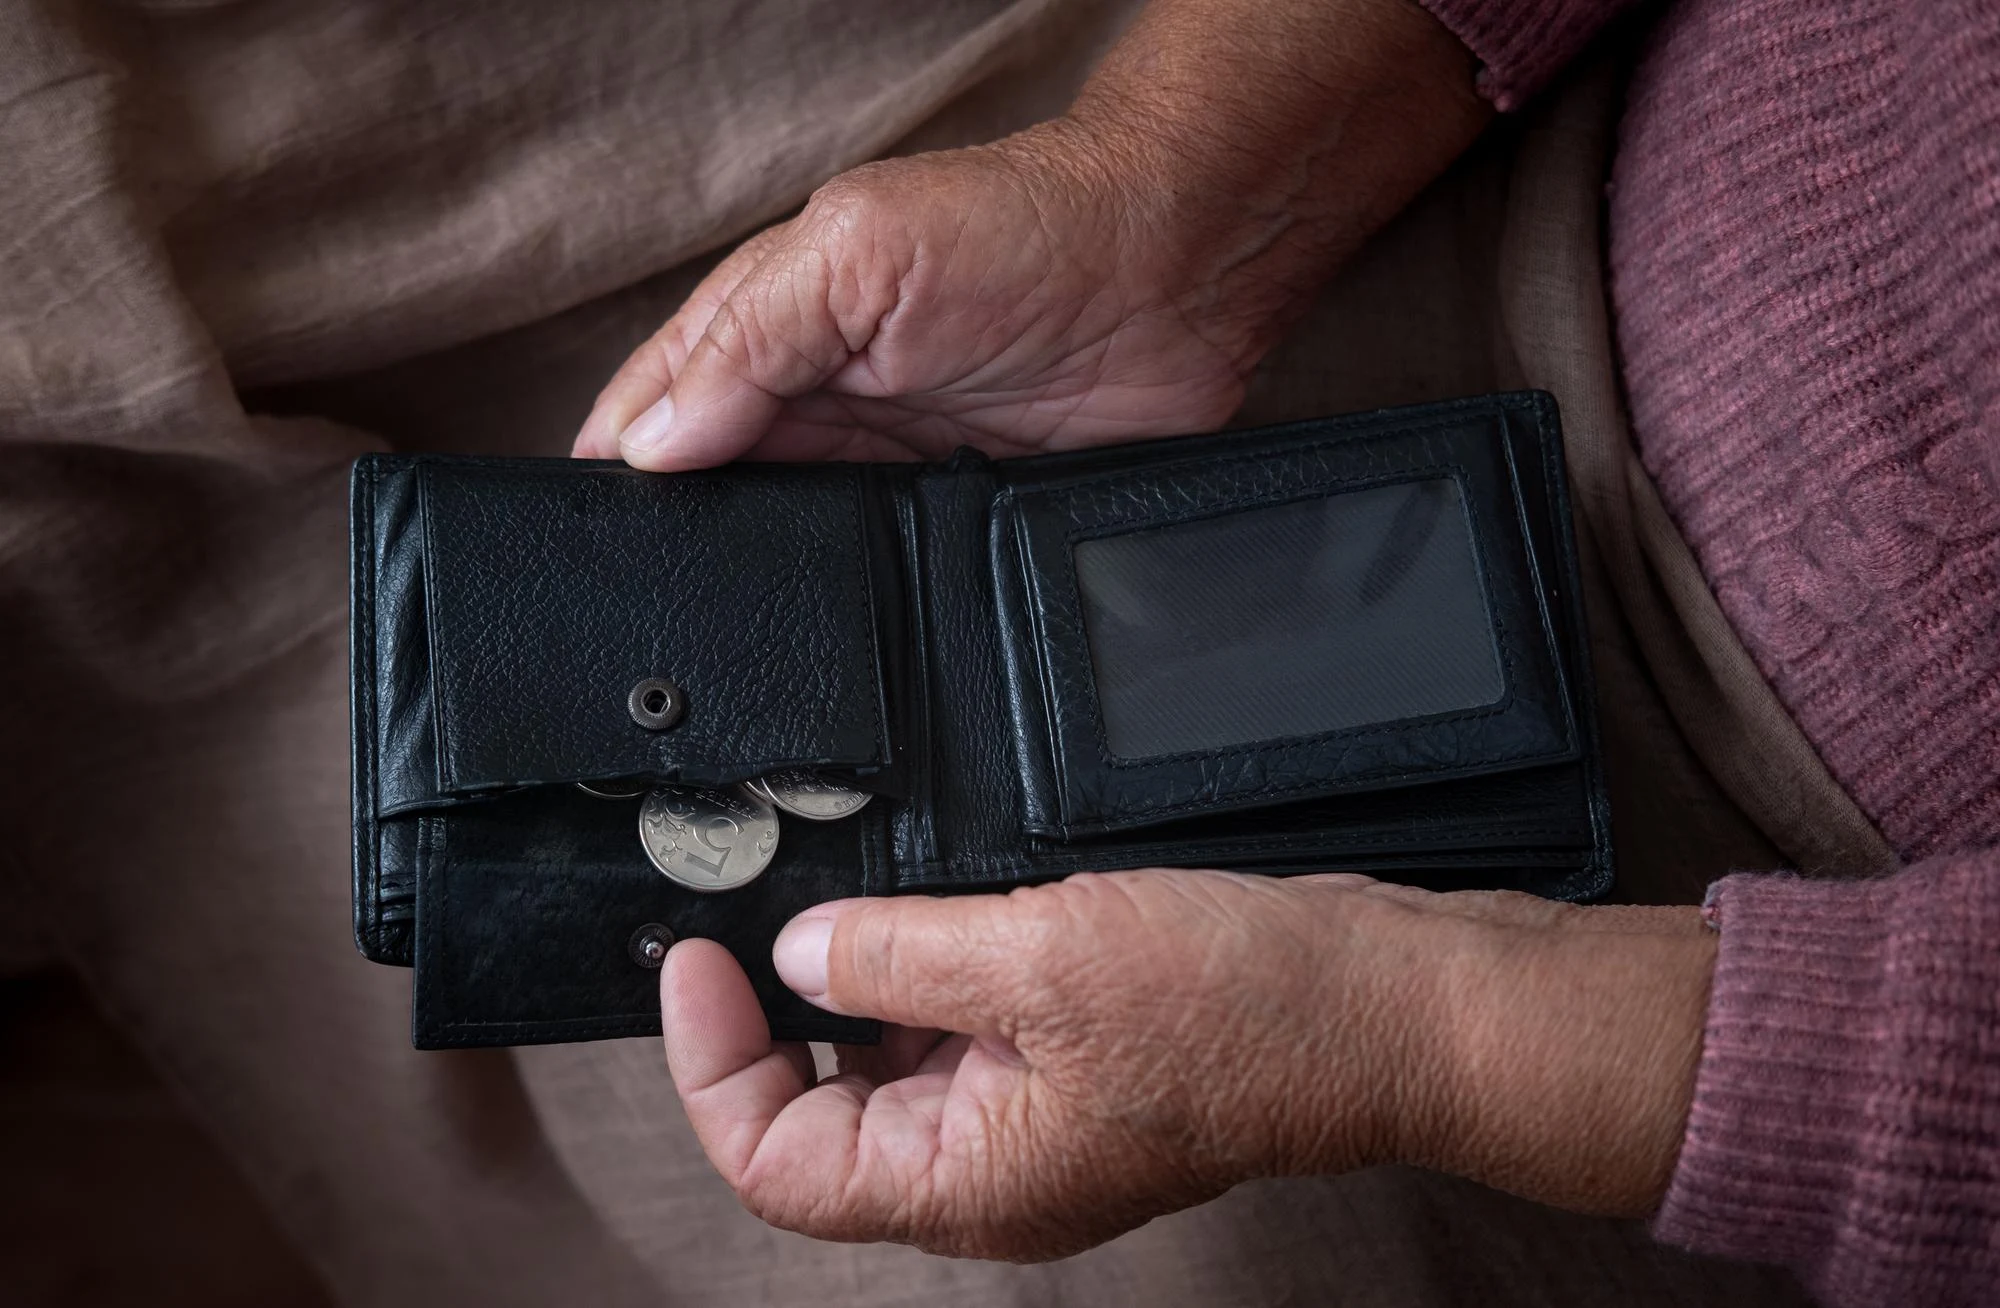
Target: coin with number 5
[(708, 839)]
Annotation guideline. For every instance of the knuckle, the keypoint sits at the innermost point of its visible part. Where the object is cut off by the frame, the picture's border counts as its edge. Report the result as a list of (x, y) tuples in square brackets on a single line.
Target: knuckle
[(776, 328), (1061, 941), (746, 341), (893, 962), (735, 331), (851, 200)]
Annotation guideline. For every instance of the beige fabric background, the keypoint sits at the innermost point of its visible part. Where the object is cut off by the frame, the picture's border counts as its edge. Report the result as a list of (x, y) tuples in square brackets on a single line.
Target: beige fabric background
[(248, 241)]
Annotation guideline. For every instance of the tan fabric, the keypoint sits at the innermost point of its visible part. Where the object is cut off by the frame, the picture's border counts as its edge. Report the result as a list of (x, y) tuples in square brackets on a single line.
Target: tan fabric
[(270, 196), (1554, 307)]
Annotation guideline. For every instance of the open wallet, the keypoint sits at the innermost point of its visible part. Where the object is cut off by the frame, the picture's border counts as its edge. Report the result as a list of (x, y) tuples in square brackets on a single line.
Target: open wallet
[(596, 709)]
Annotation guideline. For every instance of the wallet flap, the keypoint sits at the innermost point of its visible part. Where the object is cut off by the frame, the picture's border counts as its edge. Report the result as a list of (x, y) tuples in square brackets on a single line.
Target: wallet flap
[(552, 590)]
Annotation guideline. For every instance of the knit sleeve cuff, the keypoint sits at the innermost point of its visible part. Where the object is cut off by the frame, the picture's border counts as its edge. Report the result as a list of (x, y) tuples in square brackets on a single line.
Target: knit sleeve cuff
[(1522, 44), (1777, 1107), (1845, 1105)]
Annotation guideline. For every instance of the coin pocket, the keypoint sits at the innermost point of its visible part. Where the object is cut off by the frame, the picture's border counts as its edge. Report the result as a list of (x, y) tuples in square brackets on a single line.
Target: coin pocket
[(749, 595)]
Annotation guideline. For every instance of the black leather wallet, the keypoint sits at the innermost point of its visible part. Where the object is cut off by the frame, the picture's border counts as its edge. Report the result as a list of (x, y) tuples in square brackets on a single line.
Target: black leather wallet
[(1345, 644)]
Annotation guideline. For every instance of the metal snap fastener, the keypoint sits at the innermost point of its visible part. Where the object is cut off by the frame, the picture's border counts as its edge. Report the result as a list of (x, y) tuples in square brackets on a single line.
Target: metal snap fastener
[(656, 703), (649, 945)]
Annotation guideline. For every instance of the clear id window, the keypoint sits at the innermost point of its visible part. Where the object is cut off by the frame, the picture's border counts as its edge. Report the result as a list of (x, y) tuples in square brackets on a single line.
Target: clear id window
[(1314, 616)]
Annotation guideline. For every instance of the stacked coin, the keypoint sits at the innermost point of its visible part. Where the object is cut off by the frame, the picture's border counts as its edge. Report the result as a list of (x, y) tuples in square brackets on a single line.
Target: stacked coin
[(805, 795), (714, 840)]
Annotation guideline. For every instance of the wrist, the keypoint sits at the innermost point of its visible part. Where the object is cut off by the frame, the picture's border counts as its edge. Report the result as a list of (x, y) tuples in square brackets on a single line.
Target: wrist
[(1251, 145), (1362, 1077), (1568, 1057)]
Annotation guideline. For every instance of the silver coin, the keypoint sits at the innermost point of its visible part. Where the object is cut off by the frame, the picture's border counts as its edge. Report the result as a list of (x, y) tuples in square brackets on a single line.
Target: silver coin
[(708, 839), (803, 794), (613, 789)]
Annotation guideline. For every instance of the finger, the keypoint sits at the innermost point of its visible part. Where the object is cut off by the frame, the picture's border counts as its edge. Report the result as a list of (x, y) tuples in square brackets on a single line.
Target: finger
[(954, 964), (855, 1159), (777, 336), (646, 374), (848, 1159), (733, 1081), (784, 1148)]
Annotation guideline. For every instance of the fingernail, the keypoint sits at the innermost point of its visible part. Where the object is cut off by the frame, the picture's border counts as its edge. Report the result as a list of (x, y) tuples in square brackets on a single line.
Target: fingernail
[(650, 427), (800, 955)]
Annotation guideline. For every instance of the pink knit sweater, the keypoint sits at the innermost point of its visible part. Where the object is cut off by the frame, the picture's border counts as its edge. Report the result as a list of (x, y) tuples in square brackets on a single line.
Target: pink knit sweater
[(1805, 272)]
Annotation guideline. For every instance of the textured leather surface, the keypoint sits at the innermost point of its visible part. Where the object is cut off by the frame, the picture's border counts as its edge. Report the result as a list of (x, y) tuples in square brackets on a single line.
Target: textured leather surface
[(916, 630), (525, 917), (559, 586)]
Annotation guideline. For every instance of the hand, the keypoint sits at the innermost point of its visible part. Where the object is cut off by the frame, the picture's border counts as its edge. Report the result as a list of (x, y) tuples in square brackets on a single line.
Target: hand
[(1073, 1059), (1006, 297), (1112, 274)]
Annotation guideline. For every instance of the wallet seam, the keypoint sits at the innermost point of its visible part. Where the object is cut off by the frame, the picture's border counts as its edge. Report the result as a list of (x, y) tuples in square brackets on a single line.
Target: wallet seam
[(1547, 420), (921, 820), (368, 924), (477, 1035), (1269, 842), (1055, 865), (973, 868), (857, 562), (428, 935), (1024, 655), (446, 780)]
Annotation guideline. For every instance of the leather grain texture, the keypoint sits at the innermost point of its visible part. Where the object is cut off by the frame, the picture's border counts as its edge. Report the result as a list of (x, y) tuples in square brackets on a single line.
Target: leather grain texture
[(526, 916), (918, 631), (561, 585)]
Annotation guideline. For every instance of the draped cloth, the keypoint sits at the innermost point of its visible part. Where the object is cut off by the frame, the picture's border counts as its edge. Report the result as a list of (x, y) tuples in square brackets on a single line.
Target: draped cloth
[(245, 242)]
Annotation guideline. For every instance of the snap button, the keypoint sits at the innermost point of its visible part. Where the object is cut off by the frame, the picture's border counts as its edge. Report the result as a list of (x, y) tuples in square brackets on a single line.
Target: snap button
[(656, 703), (649, 945)]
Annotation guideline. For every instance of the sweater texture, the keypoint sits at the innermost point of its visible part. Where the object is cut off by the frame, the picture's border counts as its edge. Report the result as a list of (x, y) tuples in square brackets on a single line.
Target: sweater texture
[(1804, 246)]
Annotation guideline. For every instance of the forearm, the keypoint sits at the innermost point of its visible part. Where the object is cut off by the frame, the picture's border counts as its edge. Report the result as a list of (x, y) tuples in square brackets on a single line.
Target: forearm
[(1256, 143), (1536, 1047)]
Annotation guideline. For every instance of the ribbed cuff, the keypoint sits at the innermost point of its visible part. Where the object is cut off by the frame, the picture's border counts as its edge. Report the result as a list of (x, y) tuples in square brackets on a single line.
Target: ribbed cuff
[(1522, 43), (1846, 1117), (1779, 1109)]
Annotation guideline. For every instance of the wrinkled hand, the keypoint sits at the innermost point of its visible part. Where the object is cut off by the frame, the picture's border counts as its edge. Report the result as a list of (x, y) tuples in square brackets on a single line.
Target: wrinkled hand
[(1073, 1059), (1111, 274), (1010, 297)]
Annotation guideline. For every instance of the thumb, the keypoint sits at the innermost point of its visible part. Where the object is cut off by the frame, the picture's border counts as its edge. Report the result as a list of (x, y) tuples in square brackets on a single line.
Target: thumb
[(953, 964), (775, 337)]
